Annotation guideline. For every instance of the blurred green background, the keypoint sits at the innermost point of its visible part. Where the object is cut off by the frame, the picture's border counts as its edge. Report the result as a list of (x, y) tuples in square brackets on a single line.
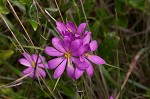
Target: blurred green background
[(121, 27)]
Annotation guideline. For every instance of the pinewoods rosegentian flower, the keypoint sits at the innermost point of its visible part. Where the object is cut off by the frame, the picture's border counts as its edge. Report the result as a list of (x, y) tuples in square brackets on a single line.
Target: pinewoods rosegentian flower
[(66, 50), (70, 27), (34, 65), (88, 57), (74, 47), (72, 32)]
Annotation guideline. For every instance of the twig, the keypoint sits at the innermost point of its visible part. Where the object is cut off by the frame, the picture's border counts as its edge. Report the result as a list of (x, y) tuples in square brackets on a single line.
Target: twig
[(132, 65), (12, 32), (59, 11), (20, 21)]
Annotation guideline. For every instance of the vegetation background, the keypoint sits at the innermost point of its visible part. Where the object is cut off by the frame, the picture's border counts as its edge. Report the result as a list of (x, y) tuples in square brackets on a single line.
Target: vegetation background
[(121, 27)]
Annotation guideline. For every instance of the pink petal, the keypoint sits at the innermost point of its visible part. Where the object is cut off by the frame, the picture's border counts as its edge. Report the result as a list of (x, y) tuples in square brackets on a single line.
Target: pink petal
[(80, 65), (55, 62), (93, 45), (61, 27), (27, 71), (82, 58), (79, 51), (27, 56), (40, 72), (71, 71), (90, 69), (81, 28), (43, 65), (71, 27), (86, 37), (24, 62), (60, 69), (75, 45), (78, 73), (66, 43), (56, 43), (111, 97), (52, 51), (37, 58), (96, 59)]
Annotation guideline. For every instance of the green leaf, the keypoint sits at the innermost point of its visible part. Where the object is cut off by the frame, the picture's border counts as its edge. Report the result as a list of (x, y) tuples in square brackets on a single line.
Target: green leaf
[(121, 21), (3, 8), (107, 47), (6, 54), (34, 24), (120, 6), (19, 5), (139, 4), (108, 77), (65, 7), (88, 5), (25, 1)]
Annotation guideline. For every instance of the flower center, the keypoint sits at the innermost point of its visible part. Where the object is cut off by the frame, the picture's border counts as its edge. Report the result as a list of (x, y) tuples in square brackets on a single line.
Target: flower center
[(69, 30), (67, 55), (33, 64), (86, 55)]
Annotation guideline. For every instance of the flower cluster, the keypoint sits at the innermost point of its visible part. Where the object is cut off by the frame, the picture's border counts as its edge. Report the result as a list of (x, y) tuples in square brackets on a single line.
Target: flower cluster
[(73, 52)]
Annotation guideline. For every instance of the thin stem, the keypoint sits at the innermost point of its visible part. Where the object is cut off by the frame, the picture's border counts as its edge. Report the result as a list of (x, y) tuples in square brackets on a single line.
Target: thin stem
[(50, 15), (59, 11), (20, 22), (84, 13), (56, 83), (12, 32)]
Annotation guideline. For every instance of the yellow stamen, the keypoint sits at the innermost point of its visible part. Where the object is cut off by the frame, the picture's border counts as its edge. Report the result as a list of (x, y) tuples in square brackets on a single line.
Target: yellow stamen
[(33, 64), (67, 55), (87, 55)]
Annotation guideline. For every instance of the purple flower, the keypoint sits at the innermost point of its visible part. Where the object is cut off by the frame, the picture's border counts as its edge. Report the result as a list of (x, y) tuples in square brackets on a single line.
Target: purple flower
[(111, 97), (88, 57), (69, 30), (74, 47), (70, 27), (66, 51), (31, 62)]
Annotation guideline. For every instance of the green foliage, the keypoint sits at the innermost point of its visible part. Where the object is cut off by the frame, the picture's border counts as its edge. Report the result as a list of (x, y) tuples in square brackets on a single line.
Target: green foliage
[(5, 54), (3, 8), (139, 4), (120, 26), (34, 24)]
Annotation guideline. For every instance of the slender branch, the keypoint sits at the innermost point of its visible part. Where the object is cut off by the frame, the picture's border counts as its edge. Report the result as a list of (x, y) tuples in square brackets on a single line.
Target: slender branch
[(59, 11), (20, 21), (12, 32), (132, 65)]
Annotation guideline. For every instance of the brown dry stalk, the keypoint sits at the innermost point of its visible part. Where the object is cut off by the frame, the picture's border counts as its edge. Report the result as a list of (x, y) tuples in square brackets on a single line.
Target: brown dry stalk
[(59, 11), (132, 65), (20, 21), (12, 32)]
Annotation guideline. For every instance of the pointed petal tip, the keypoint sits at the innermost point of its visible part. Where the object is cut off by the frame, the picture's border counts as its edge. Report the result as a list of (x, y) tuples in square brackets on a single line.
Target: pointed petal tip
[(78, 73), (52, 51), (96, 59), (24, 62), (81, 28), (93, 45), (60, 69)]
